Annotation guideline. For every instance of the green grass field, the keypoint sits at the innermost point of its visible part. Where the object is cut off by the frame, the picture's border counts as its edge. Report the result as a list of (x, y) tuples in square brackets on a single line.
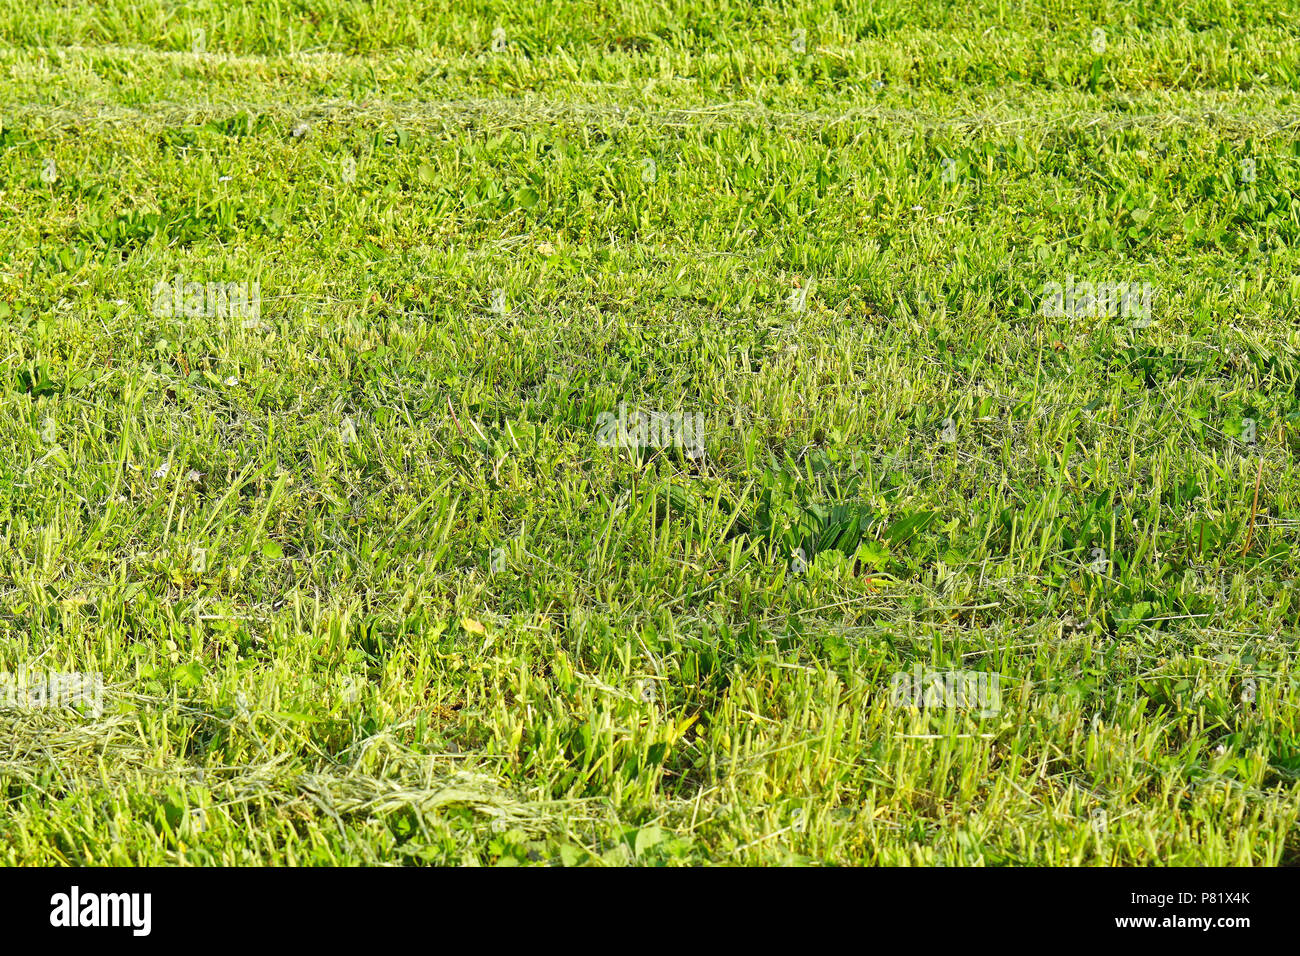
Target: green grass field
[(368, 578)]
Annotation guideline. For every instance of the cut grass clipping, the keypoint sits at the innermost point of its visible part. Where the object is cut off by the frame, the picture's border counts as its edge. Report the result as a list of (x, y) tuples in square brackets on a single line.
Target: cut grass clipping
[(679, 434)]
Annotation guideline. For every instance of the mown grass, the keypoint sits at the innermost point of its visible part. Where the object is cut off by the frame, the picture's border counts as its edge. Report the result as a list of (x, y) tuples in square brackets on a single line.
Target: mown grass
[(365, 587)]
